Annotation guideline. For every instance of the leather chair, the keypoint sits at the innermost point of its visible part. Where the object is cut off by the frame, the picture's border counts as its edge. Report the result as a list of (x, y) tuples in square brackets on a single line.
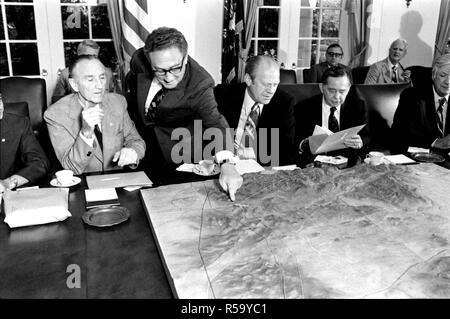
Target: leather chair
[(18, 108), (288, 76), (381, 101), (359, 74), (306, 75), (420, 75), (32, 91), (301, 91)]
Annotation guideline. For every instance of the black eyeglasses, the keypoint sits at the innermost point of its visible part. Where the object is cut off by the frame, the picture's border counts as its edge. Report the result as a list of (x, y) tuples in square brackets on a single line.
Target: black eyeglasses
[(334, 55), (173, 70)]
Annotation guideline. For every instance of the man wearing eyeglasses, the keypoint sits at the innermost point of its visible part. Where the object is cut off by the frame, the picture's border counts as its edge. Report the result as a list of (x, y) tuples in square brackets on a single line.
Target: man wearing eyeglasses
[(172, 95), (333, 58), (390, 70)]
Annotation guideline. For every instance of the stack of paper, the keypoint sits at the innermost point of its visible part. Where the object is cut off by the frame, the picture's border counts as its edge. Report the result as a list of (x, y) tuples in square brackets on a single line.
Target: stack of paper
[(118, 180), (101, 197)]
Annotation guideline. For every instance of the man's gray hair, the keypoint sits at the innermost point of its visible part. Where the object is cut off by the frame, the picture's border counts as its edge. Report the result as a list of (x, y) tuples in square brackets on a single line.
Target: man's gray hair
[(402, 41), (440, 62)]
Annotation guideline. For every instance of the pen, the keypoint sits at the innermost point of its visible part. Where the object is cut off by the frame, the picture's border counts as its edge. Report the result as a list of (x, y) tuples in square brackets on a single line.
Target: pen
[(110, 179)]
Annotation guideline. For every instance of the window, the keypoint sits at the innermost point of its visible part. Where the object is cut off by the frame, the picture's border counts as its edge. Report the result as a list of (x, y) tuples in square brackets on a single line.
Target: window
[(319, 27), (18, 41), (83, 19), (265, 37)]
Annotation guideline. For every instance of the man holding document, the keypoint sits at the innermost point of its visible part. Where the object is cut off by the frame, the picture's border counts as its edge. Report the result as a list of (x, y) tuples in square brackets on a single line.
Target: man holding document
[(333, 111)]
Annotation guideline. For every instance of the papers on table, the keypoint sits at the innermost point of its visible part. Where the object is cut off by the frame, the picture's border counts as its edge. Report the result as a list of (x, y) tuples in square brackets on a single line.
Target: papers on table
[(338, 161), (285, 168), (399, 159), (36, 206), (101, 197), (413, 149), (248, 166), (118, 180), (189, 168), (323, 140)]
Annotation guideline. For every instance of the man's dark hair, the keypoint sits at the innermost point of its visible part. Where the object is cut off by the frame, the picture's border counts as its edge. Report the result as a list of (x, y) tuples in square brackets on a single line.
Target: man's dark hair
[(164, 38), (335, 45), (78, 60), (335, 72), (253, 63)]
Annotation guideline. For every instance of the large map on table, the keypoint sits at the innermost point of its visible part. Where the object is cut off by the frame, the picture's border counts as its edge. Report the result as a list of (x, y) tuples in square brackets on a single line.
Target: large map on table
[(366, 232)]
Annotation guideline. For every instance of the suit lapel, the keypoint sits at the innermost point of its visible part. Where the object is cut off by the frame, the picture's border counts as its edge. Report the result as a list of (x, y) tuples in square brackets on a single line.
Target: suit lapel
[(143, 86)]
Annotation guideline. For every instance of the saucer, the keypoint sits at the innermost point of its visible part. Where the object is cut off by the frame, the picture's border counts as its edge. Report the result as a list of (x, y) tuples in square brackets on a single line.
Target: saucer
[(215, 171), (106, 216), (75, 181)]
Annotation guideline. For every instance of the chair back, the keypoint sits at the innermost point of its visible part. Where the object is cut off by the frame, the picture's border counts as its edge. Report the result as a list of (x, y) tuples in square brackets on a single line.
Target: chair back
[(17, 108), (31, 90), (420, 75), (381, 101), (359, 74), (306, 75), (288, 76), (301, 91)]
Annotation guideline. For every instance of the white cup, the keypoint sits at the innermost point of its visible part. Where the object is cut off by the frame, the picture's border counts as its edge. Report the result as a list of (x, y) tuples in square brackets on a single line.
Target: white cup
[(64, 176), (206, 166), (375, 158)]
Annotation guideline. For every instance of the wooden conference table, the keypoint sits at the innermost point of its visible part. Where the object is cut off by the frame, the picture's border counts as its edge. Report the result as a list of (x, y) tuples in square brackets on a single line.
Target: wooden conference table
[(115, 262)]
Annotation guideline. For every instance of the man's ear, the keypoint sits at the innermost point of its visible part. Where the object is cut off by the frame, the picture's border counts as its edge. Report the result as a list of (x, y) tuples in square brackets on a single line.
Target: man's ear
[(73, 84), (248, 80), (321, 87)]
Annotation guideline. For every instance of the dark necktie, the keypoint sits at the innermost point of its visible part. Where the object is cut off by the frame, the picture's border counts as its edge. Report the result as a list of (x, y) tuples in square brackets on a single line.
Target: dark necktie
[(333, 124), (394, 74), (440, 116), (99, 136), (250, 127), (151, 112)]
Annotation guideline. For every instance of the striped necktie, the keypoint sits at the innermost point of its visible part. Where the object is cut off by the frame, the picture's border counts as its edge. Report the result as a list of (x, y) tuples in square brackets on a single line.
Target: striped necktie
[(440, 115)]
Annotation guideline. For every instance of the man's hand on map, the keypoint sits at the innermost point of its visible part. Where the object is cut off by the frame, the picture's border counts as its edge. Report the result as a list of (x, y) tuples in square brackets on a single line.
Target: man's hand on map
[(230, 180)]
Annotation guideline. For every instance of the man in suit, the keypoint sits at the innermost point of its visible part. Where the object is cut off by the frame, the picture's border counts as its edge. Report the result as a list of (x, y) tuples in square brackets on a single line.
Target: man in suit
[(333, 58), (422, 117), (175, 93), (390, 70), (336, 110), (91, 130), (86, 47), (22, 159), (274, 108)]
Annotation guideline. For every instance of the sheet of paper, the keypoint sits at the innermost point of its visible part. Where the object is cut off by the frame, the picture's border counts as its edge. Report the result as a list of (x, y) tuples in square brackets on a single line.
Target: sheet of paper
[(326, 143), (186, 168), (413, 149), (93, 195), (399, 159), (248, 166), (285, 168), (320, 130), (118, 180)]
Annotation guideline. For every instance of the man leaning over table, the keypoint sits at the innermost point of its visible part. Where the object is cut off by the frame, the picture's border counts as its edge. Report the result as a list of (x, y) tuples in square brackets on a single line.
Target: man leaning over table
[(422, 118), (22, 159), (336, 110), (90, 129), (172, 95)]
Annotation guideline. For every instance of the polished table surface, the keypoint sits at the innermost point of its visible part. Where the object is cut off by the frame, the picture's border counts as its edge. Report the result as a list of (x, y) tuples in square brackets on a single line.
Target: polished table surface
[(115, 262)]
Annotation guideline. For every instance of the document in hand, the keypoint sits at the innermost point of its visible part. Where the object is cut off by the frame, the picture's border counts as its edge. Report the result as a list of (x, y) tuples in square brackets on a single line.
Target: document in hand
[(36, 206), (118, 180), (323, 140)]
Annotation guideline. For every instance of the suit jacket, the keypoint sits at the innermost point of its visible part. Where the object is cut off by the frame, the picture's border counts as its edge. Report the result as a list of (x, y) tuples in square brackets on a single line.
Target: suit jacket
[(317, 71), (63, 86), (415, 121), (64, 123), (20, 152), (279, 113), (192, 99), (380, 72), (352, 113)]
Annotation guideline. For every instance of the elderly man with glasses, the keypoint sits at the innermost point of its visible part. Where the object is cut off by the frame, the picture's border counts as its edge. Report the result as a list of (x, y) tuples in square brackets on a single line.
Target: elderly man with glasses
[(175, 97), (333, 58)]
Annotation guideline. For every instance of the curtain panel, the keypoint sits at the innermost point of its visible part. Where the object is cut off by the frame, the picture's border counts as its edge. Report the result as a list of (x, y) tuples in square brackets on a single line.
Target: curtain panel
[(358, 30), (443, 29)]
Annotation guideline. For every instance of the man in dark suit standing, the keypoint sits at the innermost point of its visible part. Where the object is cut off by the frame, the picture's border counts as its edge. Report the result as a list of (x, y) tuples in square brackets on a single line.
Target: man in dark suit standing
[(422, 118), (274, 108), (336, 110), (22, 159), (175, 93)]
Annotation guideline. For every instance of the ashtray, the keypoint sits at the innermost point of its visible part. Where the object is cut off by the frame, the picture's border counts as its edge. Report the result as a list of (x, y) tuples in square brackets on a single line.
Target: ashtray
[(106, 216), (427, 157)]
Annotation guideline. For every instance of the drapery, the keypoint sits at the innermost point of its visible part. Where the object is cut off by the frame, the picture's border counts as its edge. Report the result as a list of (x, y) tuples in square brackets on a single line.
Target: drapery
[(358, 30), (238, 30), (443, 29)]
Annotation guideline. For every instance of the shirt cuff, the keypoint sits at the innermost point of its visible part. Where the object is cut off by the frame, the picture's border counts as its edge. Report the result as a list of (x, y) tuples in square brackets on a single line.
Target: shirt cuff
[(88, 141), (226, 156)]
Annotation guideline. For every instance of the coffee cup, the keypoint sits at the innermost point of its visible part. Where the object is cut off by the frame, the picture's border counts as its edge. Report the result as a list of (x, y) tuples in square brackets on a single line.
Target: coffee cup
[(375, 158), (206, 167), (64, 176)]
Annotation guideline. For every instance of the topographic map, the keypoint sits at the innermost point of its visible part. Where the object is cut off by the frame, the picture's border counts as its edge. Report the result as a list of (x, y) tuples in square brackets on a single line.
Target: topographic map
[(364, 232)]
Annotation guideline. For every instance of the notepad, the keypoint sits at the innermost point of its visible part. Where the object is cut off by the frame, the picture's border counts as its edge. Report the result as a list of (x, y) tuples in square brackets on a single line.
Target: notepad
[(101, 197), (118, 180)]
